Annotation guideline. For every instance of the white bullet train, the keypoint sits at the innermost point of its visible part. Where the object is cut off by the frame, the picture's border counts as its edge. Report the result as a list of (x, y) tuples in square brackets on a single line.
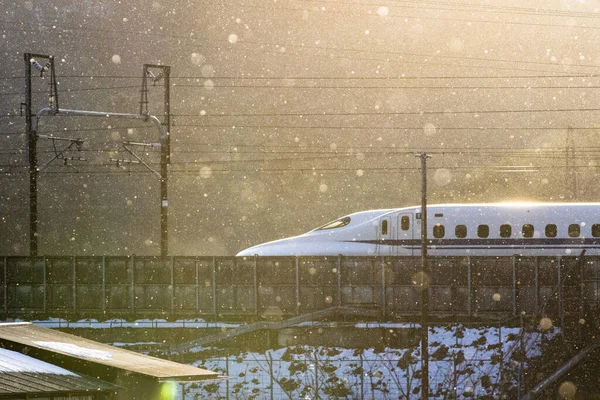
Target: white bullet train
[(502, 229)]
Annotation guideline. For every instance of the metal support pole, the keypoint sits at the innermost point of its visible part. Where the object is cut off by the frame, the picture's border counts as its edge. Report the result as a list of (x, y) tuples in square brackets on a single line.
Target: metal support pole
[(424, 281), (165, 144), (31, 144), (32, 158)]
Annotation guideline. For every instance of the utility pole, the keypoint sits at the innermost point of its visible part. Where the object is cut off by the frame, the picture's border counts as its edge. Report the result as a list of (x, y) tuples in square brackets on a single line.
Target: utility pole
[(424, 282), (165, 143), (42, 64)]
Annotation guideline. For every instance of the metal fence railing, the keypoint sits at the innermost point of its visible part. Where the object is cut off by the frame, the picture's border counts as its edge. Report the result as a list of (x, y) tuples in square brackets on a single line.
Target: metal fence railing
[(280, 287)]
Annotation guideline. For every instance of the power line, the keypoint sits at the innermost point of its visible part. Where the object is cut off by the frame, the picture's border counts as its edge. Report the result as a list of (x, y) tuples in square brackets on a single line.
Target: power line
[(399, 16), (425, 112), (386, 87), (312, 170), (479, 7), (294, 45), (66, 91), (320, 127), (347, 78)]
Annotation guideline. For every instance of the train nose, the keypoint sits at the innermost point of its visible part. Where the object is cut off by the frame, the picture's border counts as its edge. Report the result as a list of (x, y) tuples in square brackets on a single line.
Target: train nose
[(282, 247), (249, 252)]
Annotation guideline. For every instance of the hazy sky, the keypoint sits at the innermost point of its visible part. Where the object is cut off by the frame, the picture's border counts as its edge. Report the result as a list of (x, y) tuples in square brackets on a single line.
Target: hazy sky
[(287, 114)]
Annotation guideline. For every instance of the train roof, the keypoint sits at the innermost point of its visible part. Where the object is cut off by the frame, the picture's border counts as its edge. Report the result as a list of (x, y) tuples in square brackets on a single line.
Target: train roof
[(506, 205)]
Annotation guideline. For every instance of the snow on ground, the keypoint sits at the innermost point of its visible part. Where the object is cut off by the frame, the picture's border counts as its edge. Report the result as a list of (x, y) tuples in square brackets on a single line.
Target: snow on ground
[(464, 363)]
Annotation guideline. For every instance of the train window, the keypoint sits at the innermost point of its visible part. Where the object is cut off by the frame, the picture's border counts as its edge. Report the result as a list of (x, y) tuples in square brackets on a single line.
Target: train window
[(483, 231), (596, 230), (384, 227), (528, 230), (505, 230), (439, 231), (338, 223), (460, 231), (574, 230), (404, 223), (551, 230)]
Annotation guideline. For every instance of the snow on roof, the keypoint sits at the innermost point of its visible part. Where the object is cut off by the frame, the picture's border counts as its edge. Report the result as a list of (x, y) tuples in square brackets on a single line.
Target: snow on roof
[(12, 361), (95, 353), (75, 350)]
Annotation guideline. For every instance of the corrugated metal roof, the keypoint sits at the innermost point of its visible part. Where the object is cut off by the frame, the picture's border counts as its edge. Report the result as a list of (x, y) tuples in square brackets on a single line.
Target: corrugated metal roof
[(12, 361), (93, 352), (24, 375)]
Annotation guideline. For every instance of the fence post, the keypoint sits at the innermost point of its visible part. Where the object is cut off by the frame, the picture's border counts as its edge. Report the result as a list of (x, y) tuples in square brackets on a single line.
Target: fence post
[(316, 376), (74, 264), (339, 279), (172, 266), (214, 286), (255, 272), (45, 285), (131, 262), (383, 288), (469, 288), (197, 287), (103, 289), (559, 294), (501, 349), (5, 286), (297, 286), (537, 284), (271, 371), (514, 279), (362, 378), (227, 373)]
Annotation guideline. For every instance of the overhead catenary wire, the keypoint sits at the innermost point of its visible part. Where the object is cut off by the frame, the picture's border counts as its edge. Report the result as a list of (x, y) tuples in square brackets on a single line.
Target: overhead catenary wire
[(336, 78), (386, 113), (312, 170), (315, 87), (422, 4), (314, 127), (326, 48)]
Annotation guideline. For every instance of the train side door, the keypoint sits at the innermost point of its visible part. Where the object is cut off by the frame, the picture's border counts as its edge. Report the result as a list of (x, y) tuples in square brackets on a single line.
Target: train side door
[(404, 235), (385, 236)]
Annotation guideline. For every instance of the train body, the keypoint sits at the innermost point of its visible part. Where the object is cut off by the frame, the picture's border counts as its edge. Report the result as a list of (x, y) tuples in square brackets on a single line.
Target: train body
[(501, 229)]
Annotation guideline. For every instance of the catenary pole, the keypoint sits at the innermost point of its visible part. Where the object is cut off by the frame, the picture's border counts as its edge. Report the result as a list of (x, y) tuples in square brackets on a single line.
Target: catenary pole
[(424, 282)]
